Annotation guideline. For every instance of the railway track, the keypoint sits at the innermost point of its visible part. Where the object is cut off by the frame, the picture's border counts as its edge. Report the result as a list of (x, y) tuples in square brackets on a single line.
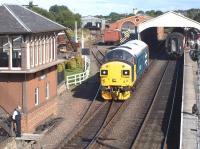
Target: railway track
[(154, 130), (98, 55), (128, 136), (94, 107), (93, 127), (96, 120), (121, 132)]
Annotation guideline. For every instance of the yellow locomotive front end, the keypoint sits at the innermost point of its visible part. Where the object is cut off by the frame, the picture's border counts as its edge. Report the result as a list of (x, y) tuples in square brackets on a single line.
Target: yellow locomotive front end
[(117, 79)]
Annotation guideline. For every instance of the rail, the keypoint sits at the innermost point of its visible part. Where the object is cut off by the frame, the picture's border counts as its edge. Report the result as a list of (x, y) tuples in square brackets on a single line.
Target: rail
[(80, 77)]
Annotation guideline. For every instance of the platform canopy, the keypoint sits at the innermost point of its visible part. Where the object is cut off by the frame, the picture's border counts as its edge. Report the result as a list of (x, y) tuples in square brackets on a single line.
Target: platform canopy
[(169, 19)]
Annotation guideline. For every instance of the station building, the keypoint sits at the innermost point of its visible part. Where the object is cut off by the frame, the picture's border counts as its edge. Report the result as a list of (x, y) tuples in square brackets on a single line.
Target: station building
[(28, 64), (93, 23), (113, 32)]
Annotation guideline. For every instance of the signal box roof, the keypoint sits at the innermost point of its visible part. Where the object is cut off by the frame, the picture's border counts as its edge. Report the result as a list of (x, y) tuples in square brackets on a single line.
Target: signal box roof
[(15, 19)]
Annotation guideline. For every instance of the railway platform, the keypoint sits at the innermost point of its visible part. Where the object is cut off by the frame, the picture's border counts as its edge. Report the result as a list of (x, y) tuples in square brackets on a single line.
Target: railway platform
[(188, 136)]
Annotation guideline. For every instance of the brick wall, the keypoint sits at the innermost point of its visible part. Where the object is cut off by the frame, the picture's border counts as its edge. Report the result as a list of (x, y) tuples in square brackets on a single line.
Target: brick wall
[(11, 91), (33, 118), (49, 75)]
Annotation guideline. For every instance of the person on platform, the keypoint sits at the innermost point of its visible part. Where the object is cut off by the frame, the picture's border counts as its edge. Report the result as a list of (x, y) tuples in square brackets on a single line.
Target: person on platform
[(16, 116)]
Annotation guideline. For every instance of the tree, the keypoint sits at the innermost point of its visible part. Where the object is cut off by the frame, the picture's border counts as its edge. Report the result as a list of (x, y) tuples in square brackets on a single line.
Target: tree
[(197, 17), (150, 13), (154, 13), (43, 12), (114, 16), (158, 13), (64, 16)]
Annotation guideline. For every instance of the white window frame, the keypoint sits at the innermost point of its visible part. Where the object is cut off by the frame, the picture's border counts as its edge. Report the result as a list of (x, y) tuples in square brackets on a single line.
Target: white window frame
[(54, 48), (36, 51), (44, 50), (51, 49), (47, 49), (32, 52), (6, 68), (40, 50), (28, 54), (36, 96), (47, 89), (17, 68)]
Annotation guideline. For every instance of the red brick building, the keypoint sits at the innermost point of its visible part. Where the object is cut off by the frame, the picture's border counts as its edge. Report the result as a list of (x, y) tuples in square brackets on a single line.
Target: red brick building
[(28, 60), (112, 32)]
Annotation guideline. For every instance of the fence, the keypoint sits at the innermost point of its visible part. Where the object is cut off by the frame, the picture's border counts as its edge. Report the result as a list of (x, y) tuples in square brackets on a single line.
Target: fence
[(79, 78)]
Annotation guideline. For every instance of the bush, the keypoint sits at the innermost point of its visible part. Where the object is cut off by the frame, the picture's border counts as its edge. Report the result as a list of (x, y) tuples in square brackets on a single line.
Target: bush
[(79, 61), (60, 67), (71, 64), (66, 64)]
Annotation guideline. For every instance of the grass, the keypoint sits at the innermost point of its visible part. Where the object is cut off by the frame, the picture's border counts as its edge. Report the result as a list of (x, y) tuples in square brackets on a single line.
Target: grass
[(73, 71)]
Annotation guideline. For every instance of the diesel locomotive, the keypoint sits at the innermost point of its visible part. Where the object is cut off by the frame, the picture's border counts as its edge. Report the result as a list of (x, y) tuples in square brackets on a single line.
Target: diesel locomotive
[(122, 68)]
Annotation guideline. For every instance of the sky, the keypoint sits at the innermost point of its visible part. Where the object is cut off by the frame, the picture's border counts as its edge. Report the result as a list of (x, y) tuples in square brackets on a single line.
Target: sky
[(105, 7)]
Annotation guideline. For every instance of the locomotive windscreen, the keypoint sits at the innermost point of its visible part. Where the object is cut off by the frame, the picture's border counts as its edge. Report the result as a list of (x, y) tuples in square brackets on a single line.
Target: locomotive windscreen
[(119, 55)]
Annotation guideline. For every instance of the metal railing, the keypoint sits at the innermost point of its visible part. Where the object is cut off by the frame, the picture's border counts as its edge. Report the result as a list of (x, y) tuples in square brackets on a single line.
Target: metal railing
[(79, 78)]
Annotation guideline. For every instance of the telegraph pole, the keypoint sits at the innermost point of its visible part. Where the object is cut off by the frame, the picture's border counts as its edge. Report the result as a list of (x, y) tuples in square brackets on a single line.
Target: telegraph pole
[(76, 39)]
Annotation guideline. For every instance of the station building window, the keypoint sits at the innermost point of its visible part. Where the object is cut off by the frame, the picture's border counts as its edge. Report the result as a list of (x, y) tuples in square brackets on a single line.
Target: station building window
[(40, 50), (32, 53), (50, 49), (43, 49), (36, 96), (47, 49), (47, 90), (53, 49), (16, 51), (4, 51), (36, 51)]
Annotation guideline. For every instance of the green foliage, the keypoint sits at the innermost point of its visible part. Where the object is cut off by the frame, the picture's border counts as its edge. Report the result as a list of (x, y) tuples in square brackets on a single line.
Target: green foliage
[(64, 16), (71, 64), (197, 17), (74, 66), (79, 61), (43, 12), (114, 16), (154, 13), (60, 14), (73, 71), (60, 67)]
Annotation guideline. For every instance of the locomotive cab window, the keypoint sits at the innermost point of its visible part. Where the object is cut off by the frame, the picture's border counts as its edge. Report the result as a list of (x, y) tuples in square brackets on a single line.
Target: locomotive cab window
[(119, 55)]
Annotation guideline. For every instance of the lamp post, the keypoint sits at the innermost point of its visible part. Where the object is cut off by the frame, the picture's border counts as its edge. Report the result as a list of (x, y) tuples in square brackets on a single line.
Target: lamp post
[(76, 38)]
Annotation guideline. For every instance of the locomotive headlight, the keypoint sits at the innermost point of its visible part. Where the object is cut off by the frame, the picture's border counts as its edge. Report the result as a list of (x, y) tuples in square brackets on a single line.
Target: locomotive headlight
[(126, 72), (104, 72)]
